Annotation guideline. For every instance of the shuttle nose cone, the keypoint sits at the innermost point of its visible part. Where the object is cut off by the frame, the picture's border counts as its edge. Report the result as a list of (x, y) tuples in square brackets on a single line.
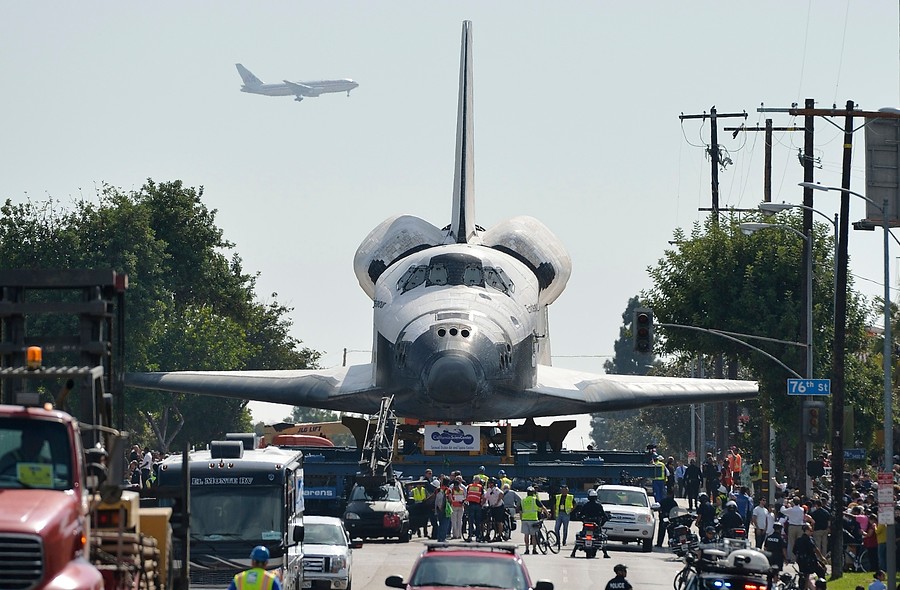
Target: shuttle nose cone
[(452, 380)]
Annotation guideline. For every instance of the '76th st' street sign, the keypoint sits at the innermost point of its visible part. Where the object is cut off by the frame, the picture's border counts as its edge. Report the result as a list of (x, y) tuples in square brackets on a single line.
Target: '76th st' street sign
[(809, 386)]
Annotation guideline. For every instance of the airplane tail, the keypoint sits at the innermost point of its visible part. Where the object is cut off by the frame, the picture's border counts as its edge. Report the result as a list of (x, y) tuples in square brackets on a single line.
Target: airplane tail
[(247, 76), (462, 228)]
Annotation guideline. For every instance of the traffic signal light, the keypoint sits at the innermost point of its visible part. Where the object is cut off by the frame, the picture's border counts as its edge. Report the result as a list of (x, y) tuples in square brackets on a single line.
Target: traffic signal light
[(814, 421), (642, 330)]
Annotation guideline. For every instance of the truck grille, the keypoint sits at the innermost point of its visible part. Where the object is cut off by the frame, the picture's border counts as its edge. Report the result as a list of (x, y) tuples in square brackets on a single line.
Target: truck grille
[(315, 563), (21, 562)]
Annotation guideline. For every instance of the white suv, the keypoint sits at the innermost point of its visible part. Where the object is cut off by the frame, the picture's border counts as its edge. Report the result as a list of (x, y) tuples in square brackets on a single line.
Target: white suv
[(327, 553), (630, 514)]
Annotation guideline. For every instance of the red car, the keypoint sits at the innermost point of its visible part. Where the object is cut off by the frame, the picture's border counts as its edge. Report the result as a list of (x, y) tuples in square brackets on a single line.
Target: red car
[(469, 565)]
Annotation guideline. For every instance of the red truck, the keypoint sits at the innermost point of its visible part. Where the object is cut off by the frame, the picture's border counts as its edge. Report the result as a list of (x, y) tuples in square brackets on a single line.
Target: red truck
[(44, 501)]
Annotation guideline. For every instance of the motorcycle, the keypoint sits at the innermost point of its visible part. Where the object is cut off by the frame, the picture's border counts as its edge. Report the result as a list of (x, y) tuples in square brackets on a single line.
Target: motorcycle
[(590, 539), (678, 529)]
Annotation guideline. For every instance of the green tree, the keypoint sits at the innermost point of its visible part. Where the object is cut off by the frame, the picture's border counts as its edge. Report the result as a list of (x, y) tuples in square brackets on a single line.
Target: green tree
[(721, 279), (189, 305)]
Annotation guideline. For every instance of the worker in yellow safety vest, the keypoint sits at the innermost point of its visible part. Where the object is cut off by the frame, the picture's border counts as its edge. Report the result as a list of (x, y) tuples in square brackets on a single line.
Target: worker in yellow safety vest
[(756, 478), (562, 508), (532, 509), (256, 578), (659, 479)]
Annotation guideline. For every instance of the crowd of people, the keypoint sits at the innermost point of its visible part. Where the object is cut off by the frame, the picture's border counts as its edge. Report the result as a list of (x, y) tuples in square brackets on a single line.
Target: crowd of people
[(728, 496), (448, 502), (142, 467)]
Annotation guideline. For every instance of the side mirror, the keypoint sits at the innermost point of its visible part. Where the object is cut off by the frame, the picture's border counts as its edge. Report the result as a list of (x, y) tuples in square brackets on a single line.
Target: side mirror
[(356, 543), (543, 585), (397, 582), (298, 534), (654, 506)]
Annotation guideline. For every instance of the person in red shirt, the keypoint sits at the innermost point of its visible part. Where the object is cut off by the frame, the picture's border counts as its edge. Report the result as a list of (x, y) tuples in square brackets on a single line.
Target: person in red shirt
[(474, 498)]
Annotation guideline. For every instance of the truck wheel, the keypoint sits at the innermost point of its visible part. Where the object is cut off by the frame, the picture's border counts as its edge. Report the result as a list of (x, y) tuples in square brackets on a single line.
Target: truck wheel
[(405, 535), (647, 547)]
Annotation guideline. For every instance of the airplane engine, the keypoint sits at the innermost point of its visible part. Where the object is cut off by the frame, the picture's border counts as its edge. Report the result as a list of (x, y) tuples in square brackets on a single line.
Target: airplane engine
[(529, 240), (394, 239)]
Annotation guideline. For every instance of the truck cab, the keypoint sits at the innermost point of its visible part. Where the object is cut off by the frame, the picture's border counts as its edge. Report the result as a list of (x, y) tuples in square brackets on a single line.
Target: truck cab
[(45, 501)]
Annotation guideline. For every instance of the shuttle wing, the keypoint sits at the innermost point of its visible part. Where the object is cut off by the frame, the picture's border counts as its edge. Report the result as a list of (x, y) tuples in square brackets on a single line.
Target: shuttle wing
[(347, 389), (578, 392)]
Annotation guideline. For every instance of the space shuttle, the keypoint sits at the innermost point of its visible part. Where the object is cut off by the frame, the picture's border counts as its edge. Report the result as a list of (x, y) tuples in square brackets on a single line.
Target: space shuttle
[(460, 323)]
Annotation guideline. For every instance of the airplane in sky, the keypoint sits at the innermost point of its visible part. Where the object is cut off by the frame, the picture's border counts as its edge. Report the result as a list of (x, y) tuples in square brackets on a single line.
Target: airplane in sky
[(298, 90), (460, 318)]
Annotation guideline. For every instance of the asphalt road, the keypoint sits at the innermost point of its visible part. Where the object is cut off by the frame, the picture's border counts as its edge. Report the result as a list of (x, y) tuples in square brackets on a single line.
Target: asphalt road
[(378, 559)]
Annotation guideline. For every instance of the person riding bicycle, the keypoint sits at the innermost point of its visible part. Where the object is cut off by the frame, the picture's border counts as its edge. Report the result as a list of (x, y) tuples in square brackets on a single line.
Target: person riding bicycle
[(591, 511), (731, 520)]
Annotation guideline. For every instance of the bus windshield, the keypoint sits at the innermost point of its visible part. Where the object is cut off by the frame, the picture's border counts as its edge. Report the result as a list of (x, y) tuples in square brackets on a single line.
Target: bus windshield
[(251, 514)]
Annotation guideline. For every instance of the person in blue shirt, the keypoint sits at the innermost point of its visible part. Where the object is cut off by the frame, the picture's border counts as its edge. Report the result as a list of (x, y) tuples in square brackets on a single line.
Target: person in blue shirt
[(744, 504), (878, 582)]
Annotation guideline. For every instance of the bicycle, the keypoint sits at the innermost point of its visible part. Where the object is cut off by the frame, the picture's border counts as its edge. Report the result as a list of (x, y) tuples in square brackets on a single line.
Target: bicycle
[(547, 539), (858, 561)]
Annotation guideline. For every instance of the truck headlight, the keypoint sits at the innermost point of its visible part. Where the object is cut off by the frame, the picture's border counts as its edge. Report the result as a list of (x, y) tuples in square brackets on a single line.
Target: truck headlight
[(338, 562), (645, 518)]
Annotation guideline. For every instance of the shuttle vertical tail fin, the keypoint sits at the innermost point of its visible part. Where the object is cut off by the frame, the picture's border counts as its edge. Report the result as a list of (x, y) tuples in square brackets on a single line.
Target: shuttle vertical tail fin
[(462, 228), (247, 76)]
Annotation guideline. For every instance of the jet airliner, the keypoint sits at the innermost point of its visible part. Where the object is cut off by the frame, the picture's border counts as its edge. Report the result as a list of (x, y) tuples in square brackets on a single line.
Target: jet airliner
[(460, 324), (298, 90)]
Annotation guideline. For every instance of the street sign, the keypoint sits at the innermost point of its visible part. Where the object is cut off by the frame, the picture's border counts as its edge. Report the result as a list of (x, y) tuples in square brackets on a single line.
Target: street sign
[(855, 454), (885, 496), (809, 386)]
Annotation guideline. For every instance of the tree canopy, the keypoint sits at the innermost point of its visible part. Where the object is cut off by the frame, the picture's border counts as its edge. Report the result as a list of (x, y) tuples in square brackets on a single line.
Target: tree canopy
[(189, 304), (718, 278)]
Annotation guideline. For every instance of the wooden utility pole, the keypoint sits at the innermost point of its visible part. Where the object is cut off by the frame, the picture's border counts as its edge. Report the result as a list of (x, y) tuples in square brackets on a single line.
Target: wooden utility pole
[(713, 150), (767, 172)]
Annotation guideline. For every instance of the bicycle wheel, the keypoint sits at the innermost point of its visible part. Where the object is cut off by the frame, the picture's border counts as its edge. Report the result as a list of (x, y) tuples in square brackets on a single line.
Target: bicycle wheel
[(542, 541), (553, 542)]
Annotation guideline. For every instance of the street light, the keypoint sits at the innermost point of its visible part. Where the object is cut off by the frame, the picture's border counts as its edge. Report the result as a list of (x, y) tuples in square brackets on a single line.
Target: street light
[(888, 401)]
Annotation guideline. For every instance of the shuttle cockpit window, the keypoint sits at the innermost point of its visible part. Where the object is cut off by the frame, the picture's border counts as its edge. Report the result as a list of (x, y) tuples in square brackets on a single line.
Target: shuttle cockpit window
[(412, 278), (497, 279), (455, 269)]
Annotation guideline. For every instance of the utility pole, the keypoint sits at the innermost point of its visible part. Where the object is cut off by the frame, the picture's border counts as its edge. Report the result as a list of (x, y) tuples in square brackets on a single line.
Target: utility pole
[(713, 150), (767, 172), (840, 316)]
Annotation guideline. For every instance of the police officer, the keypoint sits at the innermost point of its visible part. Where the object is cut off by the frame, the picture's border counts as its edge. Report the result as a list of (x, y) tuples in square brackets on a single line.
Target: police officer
[(731, 520), (776, 547), (256, 578), (592, 511), (619, 582), (666, 506)]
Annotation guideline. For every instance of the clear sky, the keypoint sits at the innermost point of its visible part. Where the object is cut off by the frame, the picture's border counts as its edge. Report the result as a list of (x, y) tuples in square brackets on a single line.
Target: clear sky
[(577, 110)]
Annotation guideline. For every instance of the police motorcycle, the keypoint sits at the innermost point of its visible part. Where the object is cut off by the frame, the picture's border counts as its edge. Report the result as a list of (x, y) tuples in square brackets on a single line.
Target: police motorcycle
[(591, 538), (678, 530), (728, 564)]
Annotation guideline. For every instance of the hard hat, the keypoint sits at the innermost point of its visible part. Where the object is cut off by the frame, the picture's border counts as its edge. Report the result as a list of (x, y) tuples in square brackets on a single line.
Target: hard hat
[(530, 488), (501, 472), (481, 469), (777, 524), (723, 490), (259, 553), (592, 493), (710, 529), (731, 504)]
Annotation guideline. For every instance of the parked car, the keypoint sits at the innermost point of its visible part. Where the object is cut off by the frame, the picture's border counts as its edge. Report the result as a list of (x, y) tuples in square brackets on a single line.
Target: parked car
[(327, 553), (630, 512), (377, 511), (469, 565)]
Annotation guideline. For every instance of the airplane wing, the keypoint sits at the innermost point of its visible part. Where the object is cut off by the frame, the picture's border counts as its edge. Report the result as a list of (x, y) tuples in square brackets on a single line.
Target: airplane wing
[(578, 392), (346, 389), (302, 89)]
